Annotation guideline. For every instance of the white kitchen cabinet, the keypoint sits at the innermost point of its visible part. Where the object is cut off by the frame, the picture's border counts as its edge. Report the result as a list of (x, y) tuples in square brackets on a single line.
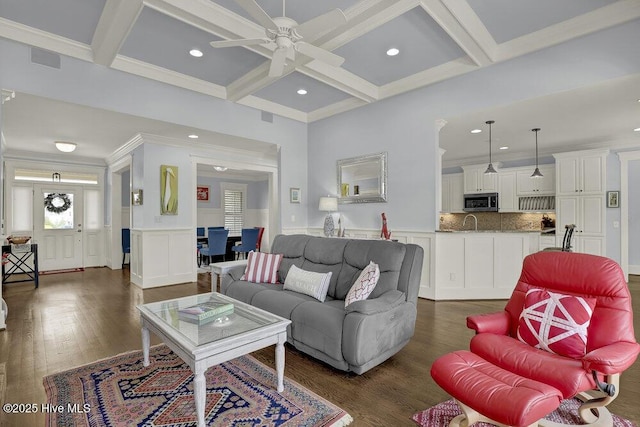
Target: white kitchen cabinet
[(507, 198), (549, 241), (581, 184), (545, 185), (452, 193), (581, 172), (476, 181)]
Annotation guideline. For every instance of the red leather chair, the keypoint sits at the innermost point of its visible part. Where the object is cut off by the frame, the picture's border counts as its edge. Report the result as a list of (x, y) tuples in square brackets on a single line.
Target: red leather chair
[(501, 361)]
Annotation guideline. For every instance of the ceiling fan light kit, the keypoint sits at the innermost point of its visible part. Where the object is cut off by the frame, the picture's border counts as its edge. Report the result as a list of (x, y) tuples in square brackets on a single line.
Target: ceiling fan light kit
[(288, 36)]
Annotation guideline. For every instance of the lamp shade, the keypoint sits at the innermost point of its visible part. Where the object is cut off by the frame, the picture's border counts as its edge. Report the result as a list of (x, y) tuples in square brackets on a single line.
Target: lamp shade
[(328, 204)]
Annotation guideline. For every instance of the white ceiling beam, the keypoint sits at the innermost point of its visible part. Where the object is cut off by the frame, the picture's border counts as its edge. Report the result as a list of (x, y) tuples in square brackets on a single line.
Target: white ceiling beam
[(341, 79), (144, 69), (361, 18), (450, 24), (117, 19), (366, 16), (472, 25), (599, 19), (213, 18), (273, 107), (32, 36), (432, 75)]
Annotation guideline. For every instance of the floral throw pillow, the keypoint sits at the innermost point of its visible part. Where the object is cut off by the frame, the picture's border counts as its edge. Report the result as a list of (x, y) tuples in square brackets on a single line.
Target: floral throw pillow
[(364, 284), (262, 267), (556, 322)]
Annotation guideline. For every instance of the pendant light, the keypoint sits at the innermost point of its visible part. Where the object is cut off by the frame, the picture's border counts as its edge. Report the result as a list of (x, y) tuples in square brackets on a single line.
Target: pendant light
[(536, 173), (490, 168)]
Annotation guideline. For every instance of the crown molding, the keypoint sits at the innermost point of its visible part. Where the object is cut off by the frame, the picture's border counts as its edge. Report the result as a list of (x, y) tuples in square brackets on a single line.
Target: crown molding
[(32, 36), (52, 158), (144, 69), (116, 21), (333, 109)]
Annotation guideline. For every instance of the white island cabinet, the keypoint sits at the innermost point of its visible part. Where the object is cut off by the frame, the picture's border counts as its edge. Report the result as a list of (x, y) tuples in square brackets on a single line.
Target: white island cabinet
[(480, 265)]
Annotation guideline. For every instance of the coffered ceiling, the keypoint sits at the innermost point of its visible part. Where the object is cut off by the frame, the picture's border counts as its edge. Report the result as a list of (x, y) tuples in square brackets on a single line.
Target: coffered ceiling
[(437, 40)]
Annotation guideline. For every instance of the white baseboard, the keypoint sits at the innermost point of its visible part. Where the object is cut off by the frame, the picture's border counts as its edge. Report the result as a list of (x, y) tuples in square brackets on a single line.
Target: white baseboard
[(634, 269)]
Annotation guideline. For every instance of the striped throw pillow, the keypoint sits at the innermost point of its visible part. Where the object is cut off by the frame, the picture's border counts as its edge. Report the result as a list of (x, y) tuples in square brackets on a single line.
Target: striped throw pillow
[(262, 267)]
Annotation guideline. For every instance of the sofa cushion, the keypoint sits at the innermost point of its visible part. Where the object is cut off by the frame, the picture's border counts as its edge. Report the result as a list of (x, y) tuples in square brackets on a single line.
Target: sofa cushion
[(563, 373), (556, 322), (325, 255), (319, 326), (292, 249), (364, 284), (280, 302), (245, 291), (357, 255), (308, 282), (262, 267)]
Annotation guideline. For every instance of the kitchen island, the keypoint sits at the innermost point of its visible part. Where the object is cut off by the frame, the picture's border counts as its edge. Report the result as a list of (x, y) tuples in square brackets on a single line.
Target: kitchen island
[(479, 264)]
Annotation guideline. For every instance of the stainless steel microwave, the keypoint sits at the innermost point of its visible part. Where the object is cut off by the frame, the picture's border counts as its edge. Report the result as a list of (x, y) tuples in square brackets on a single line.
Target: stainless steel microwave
[(481, 202)]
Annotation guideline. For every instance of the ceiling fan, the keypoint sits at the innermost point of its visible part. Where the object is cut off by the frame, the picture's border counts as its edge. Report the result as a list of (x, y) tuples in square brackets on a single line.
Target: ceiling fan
[(289, 36)]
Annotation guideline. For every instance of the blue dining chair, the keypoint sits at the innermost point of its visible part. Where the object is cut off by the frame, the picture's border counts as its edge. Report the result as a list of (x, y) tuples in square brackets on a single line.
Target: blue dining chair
[(126, 244), (249, 240), (217, 244), (200, 232)]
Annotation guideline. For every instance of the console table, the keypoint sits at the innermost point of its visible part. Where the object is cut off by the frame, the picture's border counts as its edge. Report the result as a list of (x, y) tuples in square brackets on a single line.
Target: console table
[(15, 261)]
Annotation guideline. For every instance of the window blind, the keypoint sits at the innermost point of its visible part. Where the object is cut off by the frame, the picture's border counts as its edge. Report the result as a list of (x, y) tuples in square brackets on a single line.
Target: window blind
[(233, 211)]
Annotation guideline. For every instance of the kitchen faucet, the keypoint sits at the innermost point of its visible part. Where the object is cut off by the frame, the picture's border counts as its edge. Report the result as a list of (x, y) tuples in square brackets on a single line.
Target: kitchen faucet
[(474, 217)]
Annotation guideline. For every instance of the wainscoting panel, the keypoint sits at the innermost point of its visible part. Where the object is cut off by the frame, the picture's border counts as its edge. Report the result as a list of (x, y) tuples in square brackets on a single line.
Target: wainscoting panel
[(163, 257)]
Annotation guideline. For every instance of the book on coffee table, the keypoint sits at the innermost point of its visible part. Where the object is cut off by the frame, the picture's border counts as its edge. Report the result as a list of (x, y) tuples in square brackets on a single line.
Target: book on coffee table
[(205, 312)]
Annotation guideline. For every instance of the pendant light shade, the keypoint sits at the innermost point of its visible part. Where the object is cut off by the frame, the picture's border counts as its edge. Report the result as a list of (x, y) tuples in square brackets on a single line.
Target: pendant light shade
[(490, 168), (536, 173)]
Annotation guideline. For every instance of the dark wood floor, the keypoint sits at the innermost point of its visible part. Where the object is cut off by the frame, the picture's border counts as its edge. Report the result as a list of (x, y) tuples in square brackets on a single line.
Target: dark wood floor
[(77, 318)]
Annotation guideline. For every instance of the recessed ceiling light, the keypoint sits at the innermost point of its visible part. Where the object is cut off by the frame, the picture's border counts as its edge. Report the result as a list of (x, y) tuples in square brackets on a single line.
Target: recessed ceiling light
[(193, 136), (220, 168), (65, 147), (393, 51), (636, 130), (476, 131), (196, 52), (302, 92), (504, 148)]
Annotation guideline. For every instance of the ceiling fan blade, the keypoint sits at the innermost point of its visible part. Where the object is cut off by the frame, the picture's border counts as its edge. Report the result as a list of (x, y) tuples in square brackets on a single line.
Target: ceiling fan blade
[(277, 62), (241, 42), (258, 14), (320, 54), (314, 27)]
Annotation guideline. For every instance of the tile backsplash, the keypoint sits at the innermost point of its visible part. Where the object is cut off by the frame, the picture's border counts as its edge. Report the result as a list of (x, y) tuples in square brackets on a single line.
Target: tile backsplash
[(494, 221)]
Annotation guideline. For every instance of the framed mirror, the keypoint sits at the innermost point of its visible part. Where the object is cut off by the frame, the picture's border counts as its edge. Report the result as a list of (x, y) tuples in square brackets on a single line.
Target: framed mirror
[(363, 179)]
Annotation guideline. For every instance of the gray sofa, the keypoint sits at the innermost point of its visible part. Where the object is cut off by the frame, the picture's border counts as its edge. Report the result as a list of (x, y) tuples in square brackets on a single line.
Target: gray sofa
[(355, 338)]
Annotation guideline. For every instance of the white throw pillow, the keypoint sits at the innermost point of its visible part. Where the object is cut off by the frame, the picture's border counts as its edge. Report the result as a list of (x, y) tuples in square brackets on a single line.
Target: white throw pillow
[(308, 282), (364, 284)]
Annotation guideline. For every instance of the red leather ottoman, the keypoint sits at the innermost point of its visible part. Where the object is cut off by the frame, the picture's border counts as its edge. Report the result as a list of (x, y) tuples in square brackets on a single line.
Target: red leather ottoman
[(486, 392)]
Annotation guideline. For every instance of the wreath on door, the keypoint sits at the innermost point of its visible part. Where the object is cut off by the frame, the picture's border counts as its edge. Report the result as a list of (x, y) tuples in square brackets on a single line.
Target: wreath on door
[(57, 202)]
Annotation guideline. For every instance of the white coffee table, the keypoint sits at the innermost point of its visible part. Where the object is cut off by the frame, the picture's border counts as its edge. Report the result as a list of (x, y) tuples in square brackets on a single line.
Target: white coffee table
[(202, 346)]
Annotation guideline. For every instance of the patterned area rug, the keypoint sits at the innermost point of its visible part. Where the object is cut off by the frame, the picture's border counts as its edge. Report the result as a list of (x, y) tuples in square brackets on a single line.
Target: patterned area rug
[(119, 391), (567, 413)]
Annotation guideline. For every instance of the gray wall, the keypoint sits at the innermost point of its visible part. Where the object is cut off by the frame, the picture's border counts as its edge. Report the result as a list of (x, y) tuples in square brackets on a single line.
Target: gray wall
[(97, 86), (404, 125)]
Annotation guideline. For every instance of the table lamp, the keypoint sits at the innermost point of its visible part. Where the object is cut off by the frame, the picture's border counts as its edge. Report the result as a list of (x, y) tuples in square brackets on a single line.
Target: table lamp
[(328, 204)]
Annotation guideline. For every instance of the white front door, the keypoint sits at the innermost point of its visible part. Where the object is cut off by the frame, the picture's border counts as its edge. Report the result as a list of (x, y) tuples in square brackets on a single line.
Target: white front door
[(57, 225)]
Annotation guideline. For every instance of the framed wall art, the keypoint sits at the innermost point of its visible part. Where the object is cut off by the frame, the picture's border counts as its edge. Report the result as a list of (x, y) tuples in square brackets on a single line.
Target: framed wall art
[(202, 193), (294, 195), (168, 190), (136, 197)]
